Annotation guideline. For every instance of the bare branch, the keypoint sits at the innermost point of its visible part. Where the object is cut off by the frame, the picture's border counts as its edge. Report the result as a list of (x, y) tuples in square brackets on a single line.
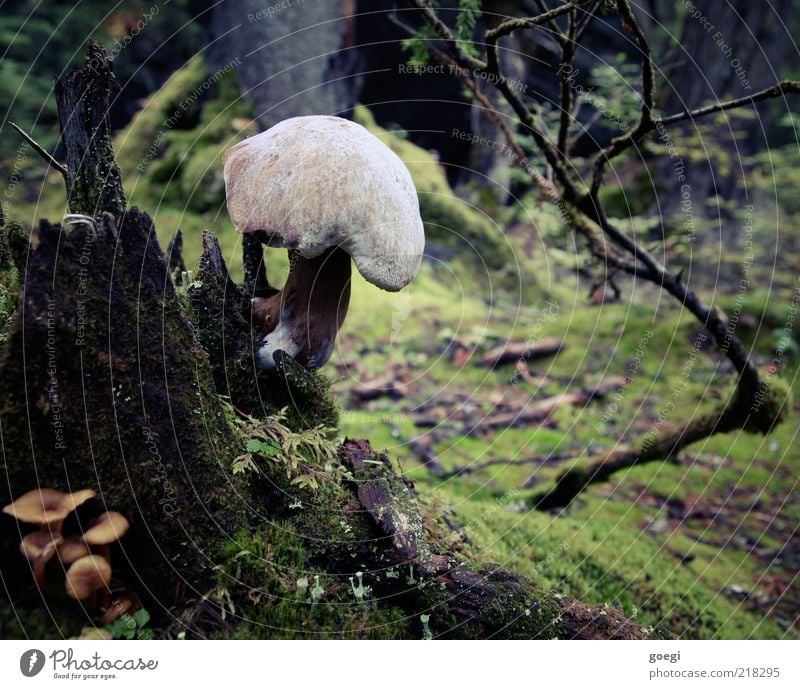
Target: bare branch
[(512, 25), (587, 20), (646, 122), (41, 150), (779, 89), (521, 110), (567, 56)]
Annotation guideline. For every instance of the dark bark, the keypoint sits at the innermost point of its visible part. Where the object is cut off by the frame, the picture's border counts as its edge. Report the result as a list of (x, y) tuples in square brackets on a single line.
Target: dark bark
[(104, 386), (94, 183), (256, 283)]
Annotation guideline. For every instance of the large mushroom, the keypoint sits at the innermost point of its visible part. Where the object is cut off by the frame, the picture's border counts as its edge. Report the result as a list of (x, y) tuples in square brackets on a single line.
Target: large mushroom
[(328, 191)]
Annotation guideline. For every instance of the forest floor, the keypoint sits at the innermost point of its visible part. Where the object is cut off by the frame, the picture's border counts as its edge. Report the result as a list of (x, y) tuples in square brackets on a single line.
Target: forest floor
[(705, 546)]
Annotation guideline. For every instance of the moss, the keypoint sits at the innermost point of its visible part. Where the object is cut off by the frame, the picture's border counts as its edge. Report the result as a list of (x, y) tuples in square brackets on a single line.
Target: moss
[(449, 220), (9, 274), (150, 126), (171, 152), (267, 581), (770, 406)]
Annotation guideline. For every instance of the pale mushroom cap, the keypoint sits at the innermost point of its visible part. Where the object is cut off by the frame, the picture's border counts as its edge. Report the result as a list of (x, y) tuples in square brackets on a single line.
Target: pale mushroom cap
[(107, 528), (40, 545), (45, 506), (72, 549), (316, 182), (87, 575)]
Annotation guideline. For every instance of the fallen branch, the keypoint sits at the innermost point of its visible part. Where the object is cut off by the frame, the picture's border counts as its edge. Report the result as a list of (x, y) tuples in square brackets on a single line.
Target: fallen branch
[(540, 411), (386, 385), (539, 460), (530, 412), (663, 446), (521, 351)]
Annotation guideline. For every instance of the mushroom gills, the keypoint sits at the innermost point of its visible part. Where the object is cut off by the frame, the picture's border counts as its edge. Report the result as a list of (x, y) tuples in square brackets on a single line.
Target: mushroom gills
[(305, 316)]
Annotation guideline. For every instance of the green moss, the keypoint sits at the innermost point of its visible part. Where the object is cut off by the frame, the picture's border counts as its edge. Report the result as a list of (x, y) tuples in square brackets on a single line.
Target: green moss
[(151, 125), (266, 584), (9, 274)]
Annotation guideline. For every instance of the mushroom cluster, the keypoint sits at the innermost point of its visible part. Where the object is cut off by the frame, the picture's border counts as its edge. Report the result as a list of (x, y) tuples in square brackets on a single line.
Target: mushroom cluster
[(86, 557), (327, 190)]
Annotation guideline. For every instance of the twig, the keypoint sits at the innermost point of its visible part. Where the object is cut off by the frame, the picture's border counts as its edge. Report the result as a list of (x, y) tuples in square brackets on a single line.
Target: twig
[(41, 150), (587, 20), (512, 25), (567, 56), (447, 36), (525, 116), (646, 122), (538, 459), (779, 89), (538, 179)]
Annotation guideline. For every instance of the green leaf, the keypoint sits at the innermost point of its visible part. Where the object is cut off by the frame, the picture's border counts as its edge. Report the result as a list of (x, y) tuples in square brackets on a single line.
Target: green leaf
[(253, 445), (142, 617)]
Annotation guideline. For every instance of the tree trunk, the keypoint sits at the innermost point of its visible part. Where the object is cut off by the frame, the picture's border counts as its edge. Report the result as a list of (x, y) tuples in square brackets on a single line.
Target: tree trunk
[(733, 53), (270, 45)]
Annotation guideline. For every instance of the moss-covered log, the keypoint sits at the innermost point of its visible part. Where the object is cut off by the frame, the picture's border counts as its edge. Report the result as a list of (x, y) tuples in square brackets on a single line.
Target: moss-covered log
[(463, 599)]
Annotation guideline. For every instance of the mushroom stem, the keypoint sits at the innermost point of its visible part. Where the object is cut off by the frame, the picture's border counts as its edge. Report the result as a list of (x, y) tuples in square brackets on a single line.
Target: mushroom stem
[(305, 316)]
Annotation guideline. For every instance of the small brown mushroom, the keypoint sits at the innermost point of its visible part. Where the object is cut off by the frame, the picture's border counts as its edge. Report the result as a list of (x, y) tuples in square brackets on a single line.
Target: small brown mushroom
[(107, 528), (87, 575), (39, 547), (115, 607), (73, 548), (46, 507)]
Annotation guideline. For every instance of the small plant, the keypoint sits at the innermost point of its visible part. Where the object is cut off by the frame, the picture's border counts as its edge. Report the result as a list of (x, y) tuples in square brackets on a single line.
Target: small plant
[(426, 630), (187, 283), (132, 626), (317, 591), (302, 587), (309, 457), (360, 591)]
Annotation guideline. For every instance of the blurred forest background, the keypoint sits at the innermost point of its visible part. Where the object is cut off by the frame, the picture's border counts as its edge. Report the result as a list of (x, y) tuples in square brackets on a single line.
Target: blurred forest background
[(510, 314)]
